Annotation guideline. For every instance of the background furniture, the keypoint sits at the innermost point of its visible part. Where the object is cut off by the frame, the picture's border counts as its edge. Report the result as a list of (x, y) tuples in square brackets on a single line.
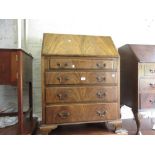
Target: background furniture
[(16, 70), (80, 80), (138, 78)]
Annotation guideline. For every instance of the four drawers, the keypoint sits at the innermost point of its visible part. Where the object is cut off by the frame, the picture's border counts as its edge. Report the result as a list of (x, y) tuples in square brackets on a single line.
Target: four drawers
[(81, 113), (80, 89)]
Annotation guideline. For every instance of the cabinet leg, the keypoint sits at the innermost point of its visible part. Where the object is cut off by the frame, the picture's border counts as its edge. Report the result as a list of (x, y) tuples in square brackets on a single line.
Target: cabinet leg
[(137, 119), (30, 100), (46, 129), (20, 96), (116, 126)]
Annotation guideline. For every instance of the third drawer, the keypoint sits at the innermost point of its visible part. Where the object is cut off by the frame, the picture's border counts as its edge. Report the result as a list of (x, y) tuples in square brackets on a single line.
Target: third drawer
[(81, 94)]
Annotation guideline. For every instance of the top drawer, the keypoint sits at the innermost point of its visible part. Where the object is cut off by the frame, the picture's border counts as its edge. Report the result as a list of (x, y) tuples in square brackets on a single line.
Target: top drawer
[(147, 69), (80, 63)]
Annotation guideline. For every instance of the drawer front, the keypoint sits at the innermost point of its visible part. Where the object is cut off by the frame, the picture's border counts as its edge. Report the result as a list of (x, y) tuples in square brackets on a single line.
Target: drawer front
[(46, 64), (147, 101), (146, 69), (147, 85), (80, 77), (82, 64), (81, 113), (81, 94), (149, 69)]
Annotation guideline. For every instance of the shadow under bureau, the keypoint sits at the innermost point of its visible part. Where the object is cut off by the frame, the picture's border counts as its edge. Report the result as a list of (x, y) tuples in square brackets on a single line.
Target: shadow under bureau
[(80, 80)]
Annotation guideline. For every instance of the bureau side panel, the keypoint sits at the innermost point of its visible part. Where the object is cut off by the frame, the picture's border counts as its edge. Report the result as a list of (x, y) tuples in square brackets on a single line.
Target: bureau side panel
[(5, 67), (128, 77)]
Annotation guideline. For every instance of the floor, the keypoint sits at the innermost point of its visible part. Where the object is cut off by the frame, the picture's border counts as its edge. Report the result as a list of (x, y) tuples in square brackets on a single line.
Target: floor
[(100, 128), (85, 129), (30, 127)]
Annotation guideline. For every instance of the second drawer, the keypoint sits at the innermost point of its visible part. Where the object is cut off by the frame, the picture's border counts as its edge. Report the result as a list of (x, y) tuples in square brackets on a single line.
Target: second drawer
[(78, 77)]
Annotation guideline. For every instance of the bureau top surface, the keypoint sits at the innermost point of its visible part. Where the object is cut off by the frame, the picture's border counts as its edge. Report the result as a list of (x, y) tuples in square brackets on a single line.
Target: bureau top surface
[(83, 45), (144, 53)]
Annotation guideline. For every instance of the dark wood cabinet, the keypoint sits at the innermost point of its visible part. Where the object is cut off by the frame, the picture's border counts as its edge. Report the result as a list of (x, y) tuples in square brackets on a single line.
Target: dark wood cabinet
[(16, 70), (138, 78), (80, 80)]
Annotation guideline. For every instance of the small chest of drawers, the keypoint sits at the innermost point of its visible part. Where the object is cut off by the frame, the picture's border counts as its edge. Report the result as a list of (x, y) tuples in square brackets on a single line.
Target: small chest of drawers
[(79, 88), (138, 78)]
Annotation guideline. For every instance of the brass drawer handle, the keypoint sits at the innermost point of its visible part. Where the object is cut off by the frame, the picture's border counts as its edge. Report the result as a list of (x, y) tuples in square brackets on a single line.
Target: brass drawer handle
[(152, 71), (100, 94), (152, 102), (152, 85), (62, 79), (101, 113), (101, 79), (66, 65), (101, 65), (62, 96), (64, 114), (59, 79), (62, 66), (59, 65)]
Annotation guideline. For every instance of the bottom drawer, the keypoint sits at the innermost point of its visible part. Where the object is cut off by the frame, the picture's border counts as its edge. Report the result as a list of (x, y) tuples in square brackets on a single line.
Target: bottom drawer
[(147, 100), (57, 114)]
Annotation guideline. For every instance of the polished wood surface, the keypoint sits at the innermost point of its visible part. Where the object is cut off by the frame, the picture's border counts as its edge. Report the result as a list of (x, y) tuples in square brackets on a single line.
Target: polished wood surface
[(81, 94), (80, 80), (147, 100), (144, 53), (75, 113), (8, 67), (16, 70), (79, 77), (137, 78), (66, 44), (82, 63)]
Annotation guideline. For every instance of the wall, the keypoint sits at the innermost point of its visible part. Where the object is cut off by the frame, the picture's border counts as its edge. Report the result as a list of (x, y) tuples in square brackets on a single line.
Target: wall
[(8, 33)]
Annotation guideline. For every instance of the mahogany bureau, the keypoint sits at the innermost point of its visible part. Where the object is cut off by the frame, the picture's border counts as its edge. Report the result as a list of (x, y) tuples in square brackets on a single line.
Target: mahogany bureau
[(138, 78), (16, 70), (80, 80)]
